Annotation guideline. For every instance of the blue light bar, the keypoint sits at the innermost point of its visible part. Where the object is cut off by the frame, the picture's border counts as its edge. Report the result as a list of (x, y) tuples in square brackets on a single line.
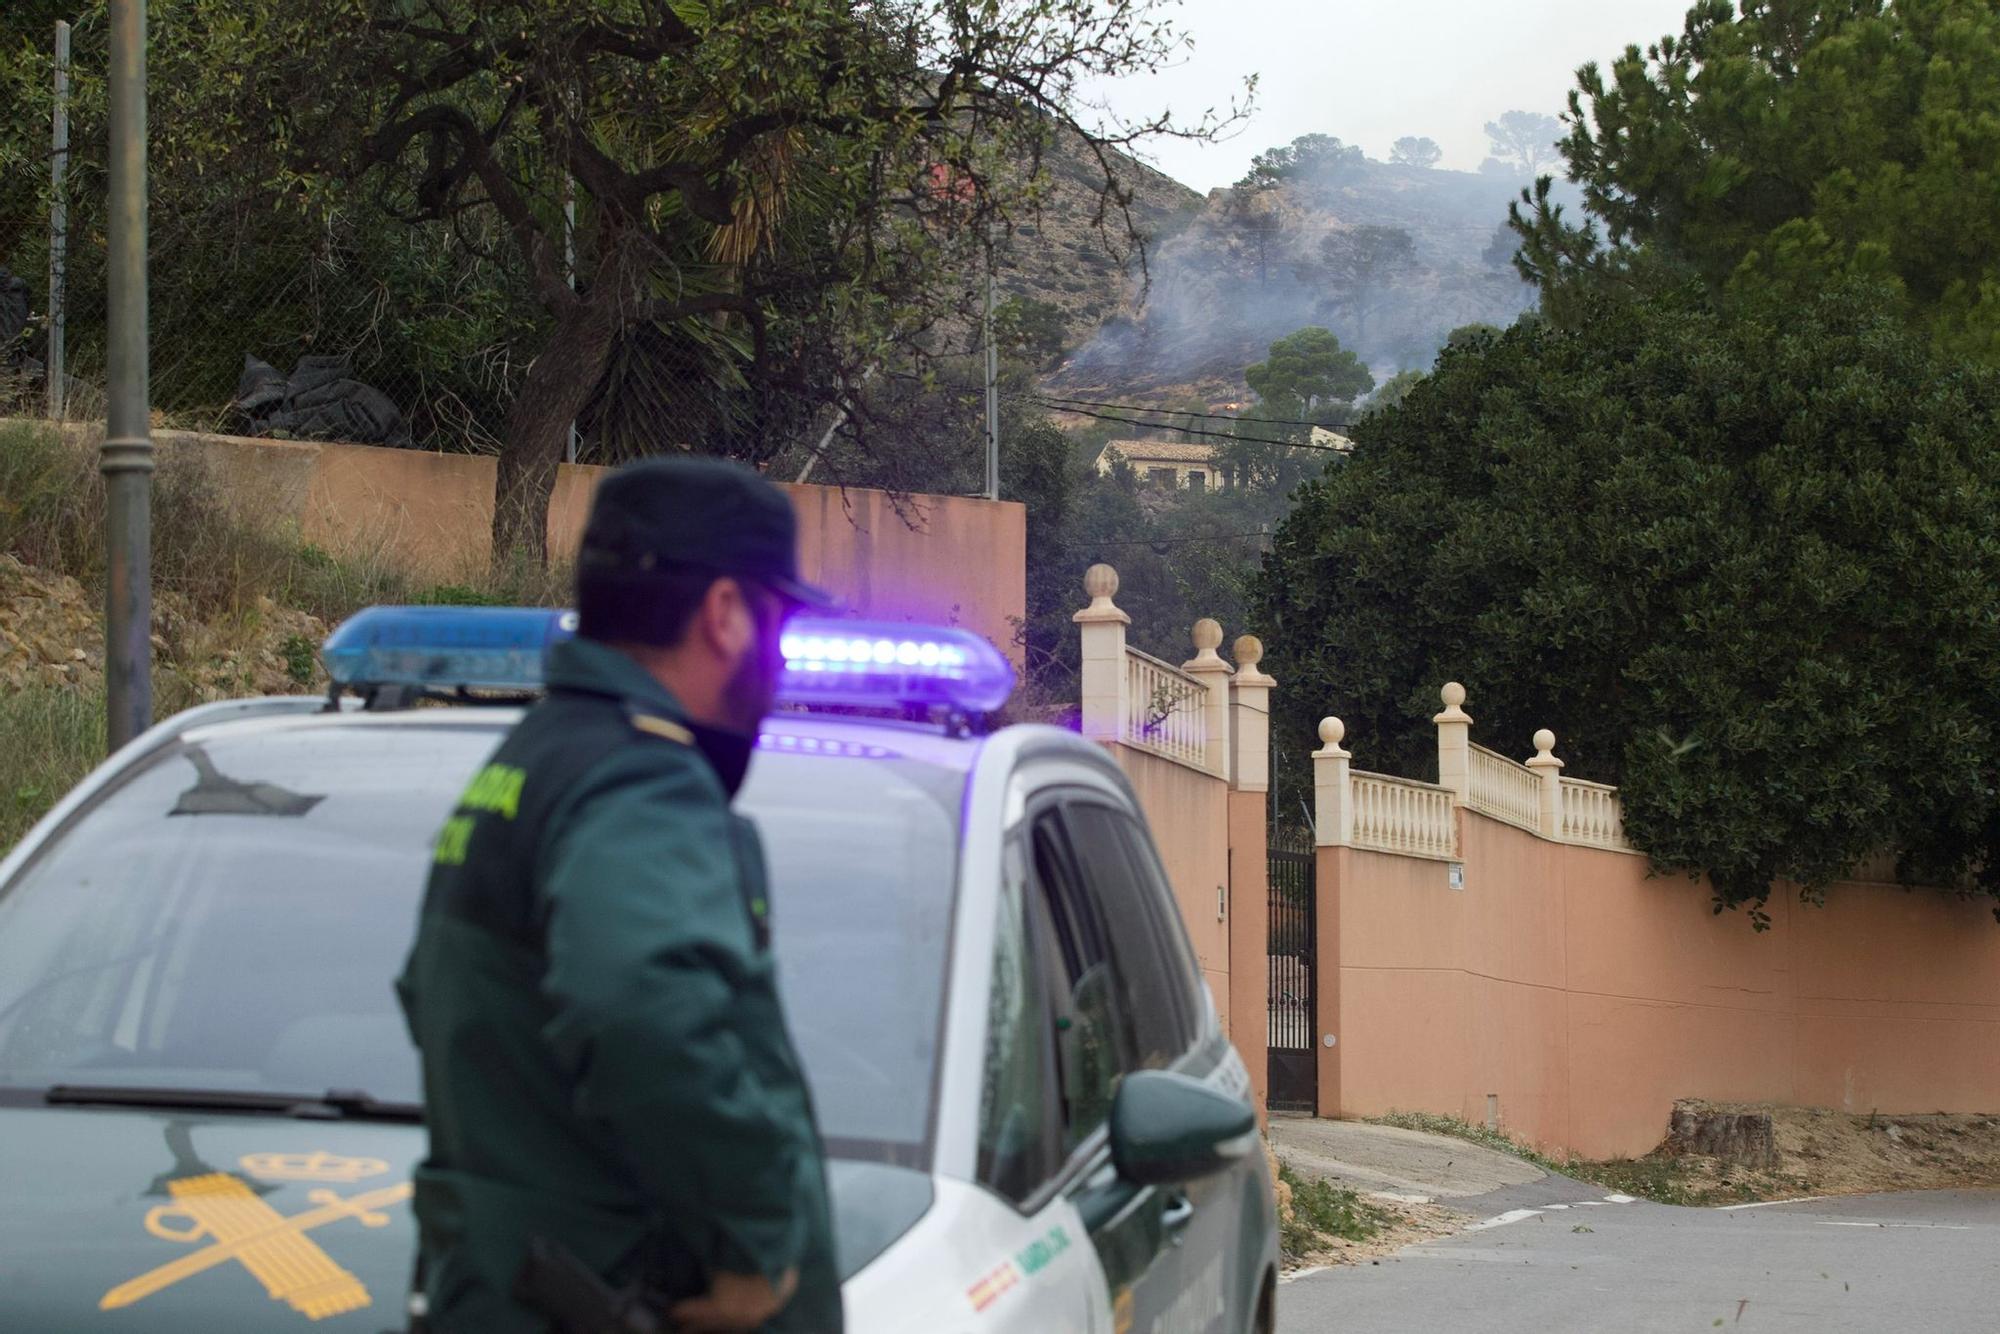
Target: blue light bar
[(882, 664), (488, 648), (870, 664)]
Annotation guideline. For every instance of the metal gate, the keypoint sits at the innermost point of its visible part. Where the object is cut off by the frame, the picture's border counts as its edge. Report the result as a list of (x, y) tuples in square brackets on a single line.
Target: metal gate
[(1294, 1054)]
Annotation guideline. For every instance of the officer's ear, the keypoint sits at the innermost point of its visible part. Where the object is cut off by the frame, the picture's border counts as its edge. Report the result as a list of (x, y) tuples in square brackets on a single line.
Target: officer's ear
[(727, 620)]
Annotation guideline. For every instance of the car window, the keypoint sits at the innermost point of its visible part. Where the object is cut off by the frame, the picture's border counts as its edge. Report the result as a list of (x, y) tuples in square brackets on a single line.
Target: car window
[(1146, 856), (863, 856), (1092, 1038), (232, 915), (1149, 967), (1018, 1130)]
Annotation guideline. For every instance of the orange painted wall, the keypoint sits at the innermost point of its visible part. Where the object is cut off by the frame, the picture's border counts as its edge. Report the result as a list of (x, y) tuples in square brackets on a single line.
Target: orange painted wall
[(1188, 812), (933, 558), (1589, 996)]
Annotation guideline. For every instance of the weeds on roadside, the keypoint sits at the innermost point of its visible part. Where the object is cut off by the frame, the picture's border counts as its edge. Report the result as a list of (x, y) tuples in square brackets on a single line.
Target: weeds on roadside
[(1321, 1212)]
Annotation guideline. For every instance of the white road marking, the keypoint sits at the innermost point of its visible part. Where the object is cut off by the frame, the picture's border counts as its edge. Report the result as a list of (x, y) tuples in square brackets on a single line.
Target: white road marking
[(1621, 1199), (1307, 1272), (1939, 1227), (1395, 1198), (1765, 1204), (1555, 1206), (1501, 1220)]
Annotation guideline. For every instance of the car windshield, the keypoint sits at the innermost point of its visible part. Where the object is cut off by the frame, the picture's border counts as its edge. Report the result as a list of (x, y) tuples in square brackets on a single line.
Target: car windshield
[(232, 913)]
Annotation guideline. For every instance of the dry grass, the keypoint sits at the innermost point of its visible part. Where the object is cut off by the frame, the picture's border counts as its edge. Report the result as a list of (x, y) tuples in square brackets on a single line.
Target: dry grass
[(226, 600)]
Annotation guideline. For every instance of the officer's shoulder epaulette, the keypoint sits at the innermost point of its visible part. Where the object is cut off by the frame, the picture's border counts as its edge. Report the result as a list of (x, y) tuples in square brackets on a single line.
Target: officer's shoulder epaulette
[(651, 724)]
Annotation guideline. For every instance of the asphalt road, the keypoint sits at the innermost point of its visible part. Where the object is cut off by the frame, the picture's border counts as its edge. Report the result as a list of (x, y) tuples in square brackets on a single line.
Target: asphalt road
[(1926, 1261)]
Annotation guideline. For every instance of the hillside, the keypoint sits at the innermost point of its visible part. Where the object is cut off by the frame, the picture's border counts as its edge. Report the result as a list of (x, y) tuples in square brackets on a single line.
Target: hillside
[(1390, 258), (1063, 258)]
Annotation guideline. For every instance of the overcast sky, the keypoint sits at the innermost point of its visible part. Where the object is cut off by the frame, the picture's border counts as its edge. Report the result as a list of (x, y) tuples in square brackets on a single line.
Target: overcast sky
[(1370, 72)]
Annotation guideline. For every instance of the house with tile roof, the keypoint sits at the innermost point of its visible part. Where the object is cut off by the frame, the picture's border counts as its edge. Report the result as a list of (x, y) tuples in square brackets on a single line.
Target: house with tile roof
[(1168, 464)]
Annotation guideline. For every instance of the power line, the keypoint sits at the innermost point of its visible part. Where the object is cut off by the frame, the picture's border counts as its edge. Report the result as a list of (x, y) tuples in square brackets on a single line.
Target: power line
[(1163, 541), (1189, 430), (1183, 412)]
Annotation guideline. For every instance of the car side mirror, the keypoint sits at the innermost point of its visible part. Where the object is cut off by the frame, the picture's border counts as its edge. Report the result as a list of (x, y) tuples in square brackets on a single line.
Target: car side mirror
[(1167, 1128)]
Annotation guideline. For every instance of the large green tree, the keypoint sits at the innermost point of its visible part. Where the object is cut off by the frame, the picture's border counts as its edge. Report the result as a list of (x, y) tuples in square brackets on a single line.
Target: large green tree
[(1772, 148), (1746, 566), (811, 181), (1308, 377)]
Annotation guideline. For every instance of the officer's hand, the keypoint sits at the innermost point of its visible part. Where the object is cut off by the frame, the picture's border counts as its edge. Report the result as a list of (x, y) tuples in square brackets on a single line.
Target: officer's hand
[(735, 1302)]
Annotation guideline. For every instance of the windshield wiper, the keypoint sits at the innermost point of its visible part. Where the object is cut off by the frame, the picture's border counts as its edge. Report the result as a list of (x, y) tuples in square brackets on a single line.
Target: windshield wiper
[(333, 1105)]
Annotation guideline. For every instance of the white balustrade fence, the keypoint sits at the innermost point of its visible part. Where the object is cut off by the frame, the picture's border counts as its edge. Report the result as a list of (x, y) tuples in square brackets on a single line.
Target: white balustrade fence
[(1398, 815), (1165, 710), (1590, 815), (1505, 790), (1420, 819)]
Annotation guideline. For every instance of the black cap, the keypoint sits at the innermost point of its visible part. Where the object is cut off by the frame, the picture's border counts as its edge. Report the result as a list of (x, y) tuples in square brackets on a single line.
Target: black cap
[(696, 515)]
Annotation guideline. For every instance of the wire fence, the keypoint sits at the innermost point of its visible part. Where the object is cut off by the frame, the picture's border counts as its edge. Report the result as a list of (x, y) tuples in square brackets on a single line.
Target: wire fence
[(268, 335)]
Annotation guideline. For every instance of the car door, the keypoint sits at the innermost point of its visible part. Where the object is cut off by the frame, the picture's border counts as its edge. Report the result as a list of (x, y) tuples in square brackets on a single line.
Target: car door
[(1217, 1270), (1170, 1030), (1134, 1230)]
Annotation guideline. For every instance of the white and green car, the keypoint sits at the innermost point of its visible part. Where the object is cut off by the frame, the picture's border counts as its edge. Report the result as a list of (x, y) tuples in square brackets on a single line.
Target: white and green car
[(210, 1108)]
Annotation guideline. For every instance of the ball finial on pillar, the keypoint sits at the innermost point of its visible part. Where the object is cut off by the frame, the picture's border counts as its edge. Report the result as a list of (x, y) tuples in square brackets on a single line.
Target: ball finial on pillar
[(1545, 742), (1248, 650), (1453, 695), (1331, 732), (1207, 635), (1101, 582)]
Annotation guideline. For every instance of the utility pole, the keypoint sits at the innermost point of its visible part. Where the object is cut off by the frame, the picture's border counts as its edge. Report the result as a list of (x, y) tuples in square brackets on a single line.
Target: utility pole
[(58, 229), (569, 268), (992, 388), (126, 459)]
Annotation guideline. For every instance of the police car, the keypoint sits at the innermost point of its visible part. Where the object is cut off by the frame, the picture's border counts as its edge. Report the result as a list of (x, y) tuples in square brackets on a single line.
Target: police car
[(210, 1108)]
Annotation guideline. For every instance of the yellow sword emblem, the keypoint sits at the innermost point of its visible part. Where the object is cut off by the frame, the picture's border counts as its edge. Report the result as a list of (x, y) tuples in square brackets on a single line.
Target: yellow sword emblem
[(273, 1247)]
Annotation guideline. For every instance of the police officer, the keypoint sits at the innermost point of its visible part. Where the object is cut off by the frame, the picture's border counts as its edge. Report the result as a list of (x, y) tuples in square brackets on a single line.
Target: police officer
[(606, 1065)]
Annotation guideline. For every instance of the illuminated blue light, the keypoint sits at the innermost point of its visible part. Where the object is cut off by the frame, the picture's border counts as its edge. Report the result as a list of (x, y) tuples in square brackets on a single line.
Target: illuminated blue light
[(492, 648), (884, 664)]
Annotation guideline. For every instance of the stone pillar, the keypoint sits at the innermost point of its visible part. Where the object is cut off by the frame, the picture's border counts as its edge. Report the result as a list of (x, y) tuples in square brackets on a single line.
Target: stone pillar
[(1209, 668), (1550, 769), (1250, 719), (1333, 801), (1454, 727), (1104, 677)]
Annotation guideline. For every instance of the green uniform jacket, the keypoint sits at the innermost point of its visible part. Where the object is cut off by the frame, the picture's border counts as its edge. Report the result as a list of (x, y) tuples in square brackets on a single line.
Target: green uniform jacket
[(605, 1060)]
